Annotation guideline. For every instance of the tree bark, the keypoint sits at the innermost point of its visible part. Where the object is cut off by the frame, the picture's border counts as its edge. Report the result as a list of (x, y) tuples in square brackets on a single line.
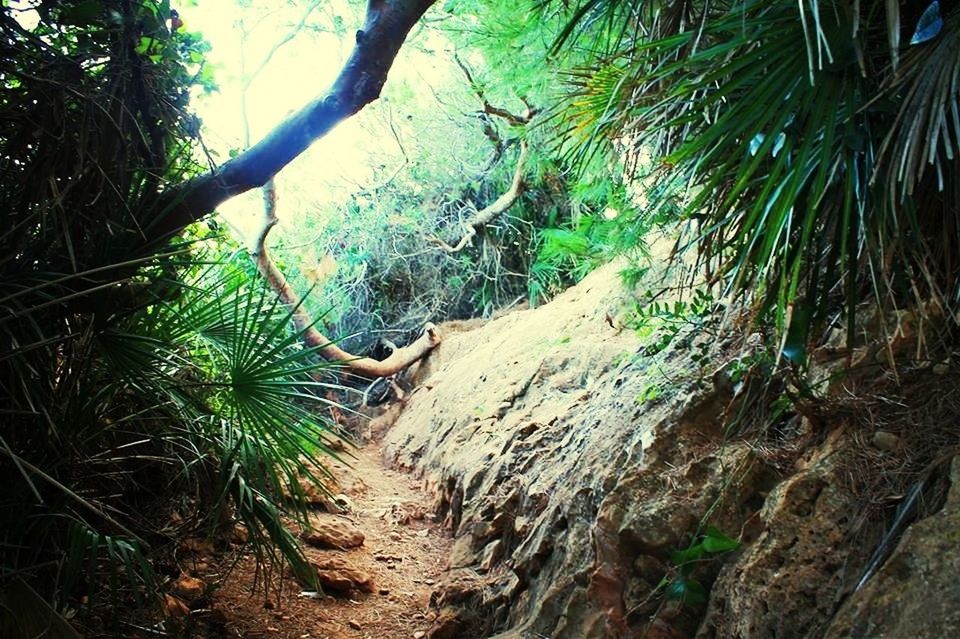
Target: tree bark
[(487, 213), (360, 81), (366, 366)]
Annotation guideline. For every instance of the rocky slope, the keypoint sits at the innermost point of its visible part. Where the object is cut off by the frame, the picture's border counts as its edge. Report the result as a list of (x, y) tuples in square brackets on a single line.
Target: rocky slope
[(572, 459)]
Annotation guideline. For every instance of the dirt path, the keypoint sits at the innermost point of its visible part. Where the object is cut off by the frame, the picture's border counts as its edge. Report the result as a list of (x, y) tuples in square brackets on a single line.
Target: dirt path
[(404, 553)]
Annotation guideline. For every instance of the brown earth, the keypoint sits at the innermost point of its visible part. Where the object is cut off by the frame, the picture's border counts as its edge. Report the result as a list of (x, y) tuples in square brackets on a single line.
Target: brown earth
[(404, 553), (571, 458)]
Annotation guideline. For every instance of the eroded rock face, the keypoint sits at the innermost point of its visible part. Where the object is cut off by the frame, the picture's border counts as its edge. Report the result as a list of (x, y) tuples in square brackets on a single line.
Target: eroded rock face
[(789, 582), (570, 464), (916, 594), (565, 477)]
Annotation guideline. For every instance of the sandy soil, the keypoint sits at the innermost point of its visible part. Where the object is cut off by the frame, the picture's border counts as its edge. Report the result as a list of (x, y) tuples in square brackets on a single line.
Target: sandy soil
[(404, 552)]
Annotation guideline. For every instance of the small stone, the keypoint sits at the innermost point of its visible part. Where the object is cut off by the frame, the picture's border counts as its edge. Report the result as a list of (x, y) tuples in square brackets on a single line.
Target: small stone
[(240, 535), (189, 588), (419, 634), (337, 575), (344, 503), (395, 536), (885, 441), (197, 545), (196, 566), (174, 607), (388, 558), (429, 582), (355, 625), (330, 531), (423, 533)]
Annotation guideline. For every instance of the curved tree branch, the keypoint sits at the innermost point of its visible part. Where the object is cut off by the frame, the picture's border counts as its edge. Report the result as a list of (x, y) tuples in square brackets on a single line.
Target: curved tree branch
[(366, 366), (386, 27), (498, 206), (509, 198)]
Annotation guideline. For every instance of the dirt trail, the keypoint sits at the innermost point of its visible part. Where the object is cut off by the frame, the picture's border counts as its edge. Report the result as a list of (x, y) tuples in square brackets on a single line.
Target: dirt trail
[(404, 553)]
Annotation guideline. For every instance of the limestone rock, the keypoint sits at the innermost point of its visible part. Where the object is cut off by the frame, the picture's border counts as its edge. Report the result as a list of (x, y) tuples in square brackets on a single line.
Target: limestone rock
[(800, 565), (567, 485), (548, 459), (914, 595), (339, 576), (331, 531), (174, 607), (492, 554), (189, 588)]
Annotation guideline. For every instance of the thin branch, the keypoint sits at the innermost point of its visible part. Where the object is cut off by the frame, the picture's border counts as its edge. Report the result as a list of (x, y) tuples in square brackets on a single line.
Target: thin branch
[(279, 44), (366, 366), (360, 81), (498, 206)]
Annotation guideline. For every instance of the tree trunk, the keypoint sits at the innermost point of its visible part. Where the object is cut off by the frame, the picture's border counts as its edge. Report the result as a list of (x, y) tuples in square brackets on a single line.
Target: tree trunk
[(366, 366)]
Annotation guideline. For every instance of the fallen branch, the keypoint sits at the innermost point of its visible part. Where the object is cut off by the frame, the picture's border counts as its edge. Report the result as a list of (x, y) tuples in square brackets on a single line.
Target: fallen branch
[(366, 366)]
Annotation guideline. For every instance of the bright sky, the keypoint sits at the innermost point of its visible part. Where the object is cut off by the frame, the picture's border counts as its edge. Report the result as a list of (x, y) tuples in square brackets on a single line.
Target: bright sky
[(342, 162), (360, 152), (299, 71)]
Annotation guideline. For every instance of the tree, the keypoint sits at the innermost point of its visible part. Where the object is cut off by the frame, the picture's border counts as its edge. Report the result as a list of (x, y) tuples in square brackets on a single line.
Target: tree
[(134, 368), (400, 358), (387, 24)]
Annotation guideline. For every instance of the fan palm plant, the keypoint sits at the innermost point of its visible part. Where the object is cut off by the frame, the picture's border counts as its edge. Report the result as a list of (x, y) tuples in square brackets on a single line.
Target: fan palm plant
[(132, 381), (816, 141)]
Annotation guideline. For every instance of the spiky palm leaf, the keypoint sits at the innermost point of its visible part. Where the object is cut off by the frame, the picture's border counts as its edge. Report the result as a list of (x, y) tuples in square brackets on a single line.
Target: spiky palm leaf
[(128, 377), (817, 175)]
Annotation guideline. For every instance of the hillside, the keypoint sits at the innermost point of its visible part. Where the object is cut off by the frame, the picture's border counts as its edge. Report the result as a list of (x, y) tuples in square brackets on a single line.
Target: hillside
[(569, 487)]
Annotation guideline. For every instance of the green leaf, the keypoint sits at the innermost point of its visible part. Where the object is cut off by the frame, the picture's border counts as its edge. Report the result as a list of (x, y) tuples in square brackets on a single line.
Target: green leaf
[(687, 555), (687, 591), (144, 45), (715, 541)]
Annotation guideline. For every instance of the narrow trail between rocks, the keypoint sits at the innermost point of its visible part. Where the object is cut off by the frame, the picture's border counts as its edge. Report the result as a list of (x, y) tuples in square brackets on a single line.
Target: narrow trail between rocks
[(379, 589)]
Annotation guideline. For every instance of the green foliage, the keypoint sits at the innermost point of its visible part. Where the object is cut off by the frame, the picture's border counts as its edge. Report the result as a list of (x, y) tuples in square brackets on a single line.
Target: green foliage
[(680, 585), (663, 320), (817, 155), (565, 255), (135, 378)]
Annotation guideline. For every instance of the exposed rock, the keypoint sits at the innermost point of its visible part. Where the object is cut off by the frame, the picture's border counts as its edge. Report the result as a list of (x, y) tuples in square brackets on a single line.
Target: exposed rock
[(573, 467), (403, 514), (789, 582), (448, 625), (174, 607), (197, 545), (549, 459), (342, 503), (916, 592), (239, 534), (885, 441), (330, 531), (335, 574), (189, 588), (492, 554)]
